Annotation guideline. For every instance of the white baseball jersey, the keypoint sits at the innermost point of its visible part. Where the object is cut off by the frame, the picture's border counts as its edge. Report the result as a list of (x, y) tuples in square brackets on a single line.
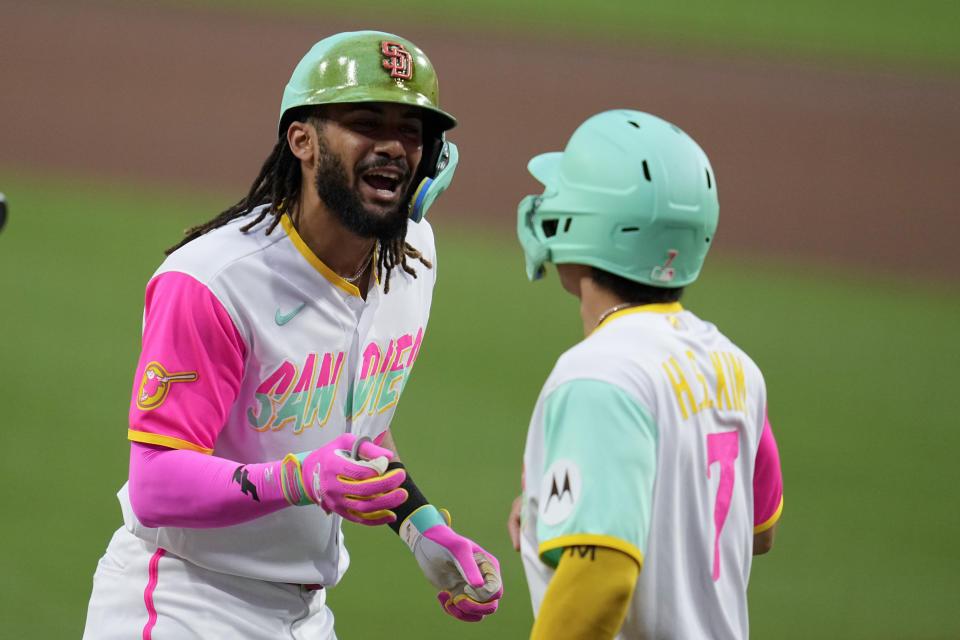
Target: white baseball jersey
[(253, 348), (644, 440)]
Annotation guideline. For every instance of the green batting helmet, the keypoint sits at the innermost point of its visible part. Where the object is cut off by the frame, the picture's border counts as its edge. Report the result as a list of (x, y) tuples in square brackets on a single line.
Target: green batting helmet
[(631, 194), (365, 66)]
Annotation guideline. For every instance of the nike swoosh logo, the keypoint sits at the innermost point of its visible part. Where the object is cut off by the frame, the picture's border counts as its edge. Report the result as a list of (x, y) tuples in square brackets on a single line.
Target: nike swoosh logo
[(284, 318)]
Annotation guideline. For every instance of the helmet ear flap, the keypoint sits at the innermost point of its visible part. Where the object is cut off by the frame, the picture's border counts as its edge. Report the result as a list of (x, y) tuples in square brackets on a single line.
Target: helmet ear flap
[(536, 251), (430, 160), (434, 141), (433, 178)]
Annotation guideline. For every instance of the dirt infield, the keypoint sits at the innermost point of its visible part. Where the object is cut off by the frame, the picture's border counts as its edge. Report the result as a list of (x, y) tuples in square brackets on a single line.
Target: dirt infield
[(846, 166)]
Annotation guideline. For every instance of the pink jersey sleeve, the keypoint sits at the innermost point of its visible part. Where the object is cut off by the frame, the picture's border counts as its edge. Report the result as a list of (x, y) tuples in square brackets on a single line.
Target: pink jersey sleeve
[(767, 482), (190, 369)]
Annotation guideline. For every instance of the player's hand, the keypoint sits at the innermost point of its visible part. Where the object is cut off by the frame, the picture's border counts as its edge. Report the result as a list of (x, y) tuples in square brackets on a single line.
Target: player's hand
[(513, 522), (467, 576), (348, 477)]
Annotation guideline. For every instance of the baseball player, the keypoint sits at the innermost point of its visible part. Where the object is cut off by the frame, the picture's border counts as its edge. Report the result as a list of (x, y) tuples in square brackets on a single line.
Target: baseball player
[(277, 340), (651, 475)]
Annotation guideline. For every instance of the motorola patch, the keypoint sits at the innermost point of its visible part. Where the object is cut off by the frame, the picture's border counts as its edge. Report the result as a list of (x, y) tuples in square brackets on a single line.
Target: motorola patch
[(559, 491)]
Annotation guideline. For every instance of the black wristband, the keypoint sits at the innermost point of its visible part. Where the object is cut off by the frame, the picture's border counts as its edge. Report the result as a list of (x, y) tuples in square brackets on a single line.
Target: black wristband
[(414, 501)]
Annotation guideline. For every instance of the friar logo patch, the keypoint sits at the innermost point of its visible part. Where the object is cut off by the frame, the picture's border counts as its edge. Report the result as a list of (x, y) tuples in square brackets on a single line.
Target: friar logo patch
[(559, 491), (155, 384), (397, 60)]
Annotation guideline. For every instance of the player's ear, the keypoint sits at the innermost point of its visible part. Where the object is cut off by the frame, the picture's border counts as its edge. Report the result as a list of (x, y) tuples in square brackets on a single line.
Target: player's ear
[(300, 137)]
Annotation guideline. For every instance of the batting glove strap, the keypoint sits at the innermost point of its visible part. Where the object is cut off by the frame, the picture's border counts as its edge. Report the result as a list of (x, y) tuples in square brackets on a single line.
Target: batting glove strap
[(291, 479), (414, 502), (419, 521)]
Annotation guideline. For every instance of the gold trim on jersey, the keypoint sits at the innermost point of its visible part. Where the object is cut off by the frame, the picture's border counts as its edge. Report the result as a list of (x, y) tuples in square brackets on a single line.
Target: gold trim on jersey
[(373, 263), (658, 307), (164, 441), (332, 276), (763, 526), (591, 539)]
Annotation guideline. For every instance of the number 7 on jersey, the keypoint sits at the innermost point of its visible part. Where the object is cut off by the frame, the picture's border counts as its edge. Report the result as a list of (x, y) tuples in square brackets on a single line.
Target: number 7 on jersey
[(723, 448)]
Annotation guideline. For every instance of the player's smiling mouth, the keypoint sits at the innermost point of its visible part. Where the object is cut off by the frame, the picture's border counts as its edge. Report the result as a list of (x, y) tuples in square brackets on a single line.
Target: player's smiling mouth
[(384, 181)]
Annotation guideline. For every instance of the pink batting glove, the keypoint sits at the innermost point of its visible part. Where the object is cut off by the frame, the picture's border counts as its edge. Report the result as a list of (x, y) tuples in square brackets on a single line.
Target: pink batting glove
[(467, 576), (348, 477)]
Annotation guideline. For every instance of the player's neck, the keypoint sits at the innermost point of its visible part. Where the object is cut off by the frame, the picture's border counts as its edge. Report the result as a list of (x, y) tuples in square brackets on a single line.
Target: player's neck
[(337, 247), (596, 304)]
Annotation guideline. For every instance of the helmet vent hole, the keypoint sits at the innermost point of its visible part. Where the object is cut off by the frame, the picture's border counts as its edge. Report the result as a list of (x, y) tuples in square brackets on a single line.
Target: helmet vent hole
[(646, 171), (709, 182), (629, 229), (550, 227), (634, 124), (566, 225)]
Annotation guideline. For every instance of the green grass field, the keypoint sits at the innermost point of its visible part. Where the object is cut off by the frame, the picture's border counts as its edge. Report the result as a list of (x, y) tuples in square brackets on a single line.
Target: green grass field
[(860, 373)]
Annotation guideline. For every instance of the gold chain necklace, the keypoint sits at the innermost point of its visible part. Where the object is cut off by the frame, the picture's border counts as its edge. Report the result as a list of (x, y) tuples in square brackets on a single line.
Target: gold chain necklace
[(363, 267), (612, 310)]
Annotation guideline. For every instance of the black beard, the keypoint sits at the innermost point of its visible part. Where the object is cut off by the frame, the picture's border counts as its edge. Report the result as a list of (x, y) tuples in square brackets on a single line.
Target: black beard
[(334, 190)]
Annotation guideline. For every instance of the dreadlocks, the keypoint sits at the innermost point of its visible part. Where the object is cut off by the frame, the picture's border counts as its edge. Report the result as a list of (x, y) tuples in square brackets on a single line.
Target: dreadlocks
[(394, 253), (278, 184)]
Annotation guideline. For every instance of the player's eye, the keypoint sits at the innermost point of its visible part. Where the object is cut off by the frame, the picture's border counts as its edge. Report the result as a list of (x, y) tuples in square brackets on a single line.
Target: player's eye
[(411, 128), (363, 120)]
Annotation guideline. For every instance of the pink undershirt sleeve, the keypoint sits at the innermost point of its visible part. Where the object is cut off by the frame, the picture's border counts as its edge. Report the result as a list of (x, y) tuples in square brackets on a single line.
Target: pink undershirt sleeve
[(184, 488), (767, 482)]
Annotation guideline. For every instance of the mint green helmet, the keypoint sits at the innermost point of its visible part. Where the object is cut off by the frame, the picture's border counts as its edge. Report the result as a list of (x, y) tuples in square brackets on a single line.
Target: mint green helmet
[(631, 194)]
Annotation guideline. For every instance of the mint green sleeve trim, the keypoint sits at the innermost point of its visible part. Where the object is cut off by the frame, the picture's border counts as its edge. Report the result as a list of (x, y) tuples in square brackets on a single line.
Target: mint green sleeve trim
[(610, 439)]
